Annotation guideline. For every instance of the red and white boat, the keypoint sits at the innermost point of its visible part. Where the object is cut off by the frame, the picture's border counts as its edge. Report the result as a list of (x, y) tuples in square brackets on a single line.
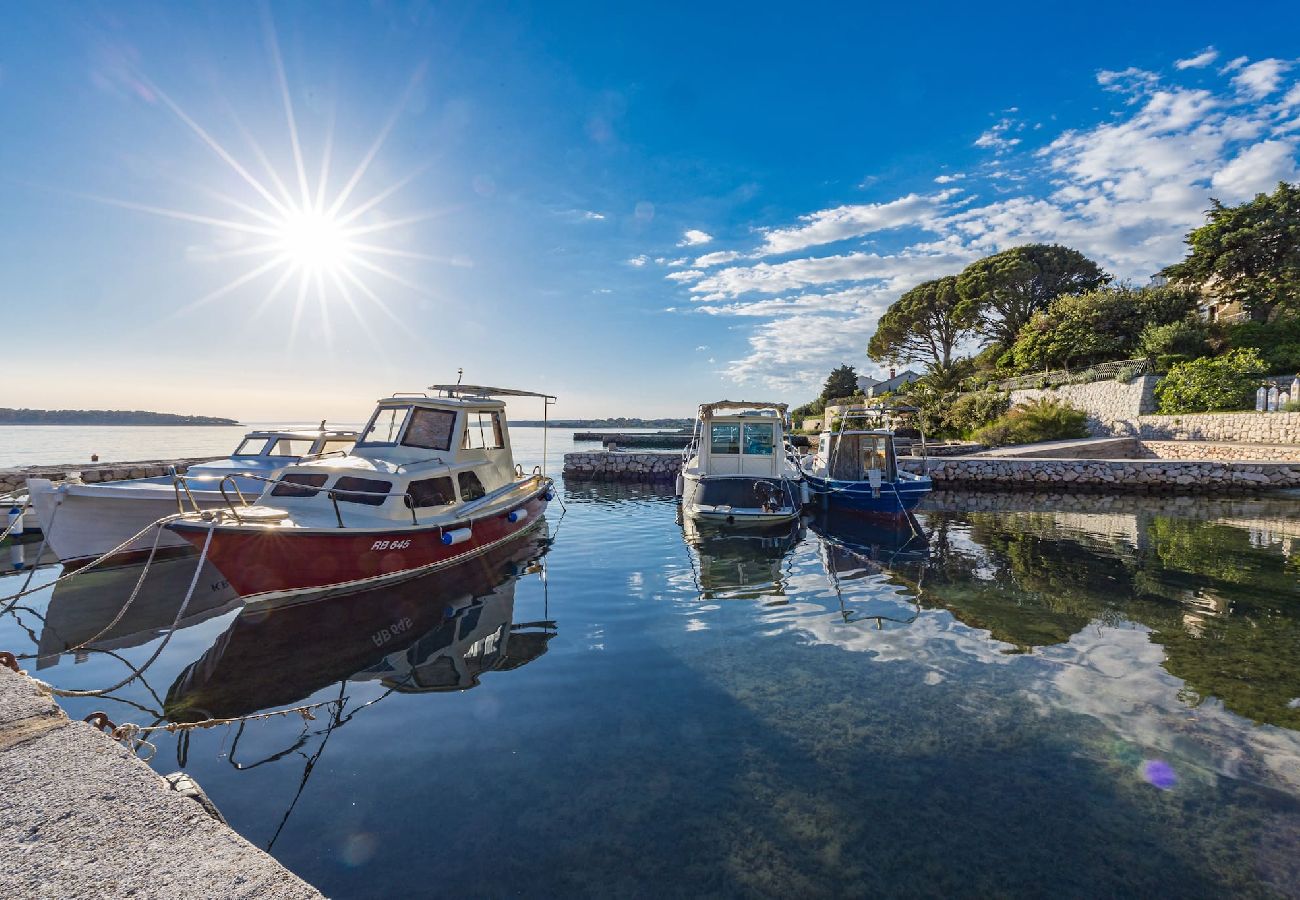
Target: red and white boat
[(430, 483)]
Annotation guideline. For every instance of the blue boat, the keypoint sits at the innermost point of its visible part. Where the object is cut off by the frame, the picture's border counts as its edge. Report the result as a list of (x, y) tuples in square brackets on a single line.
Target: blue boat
[(855, 467)]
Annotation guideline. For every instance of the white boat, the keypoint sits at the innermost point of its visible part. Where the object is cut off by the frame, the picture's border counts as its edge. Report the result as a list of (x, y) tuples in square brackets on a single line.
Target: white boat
[(81, 522), (739, 468)]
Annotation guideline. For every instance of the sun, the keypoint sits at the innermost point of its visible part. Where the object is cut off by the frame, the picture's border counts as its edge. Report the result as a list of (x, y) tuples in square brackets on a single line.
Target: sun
[(307, 234), (315, 242)]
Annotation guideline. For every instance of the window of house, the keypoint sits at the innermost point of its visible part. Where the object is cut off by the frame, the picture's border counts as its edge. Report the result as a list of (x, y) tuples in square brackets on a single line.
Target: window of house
[(432, 492), (385, 425), (470, 487), (370, 491), (724, 437), (298, 485), (482, 431), (430, 429), (759, 437)]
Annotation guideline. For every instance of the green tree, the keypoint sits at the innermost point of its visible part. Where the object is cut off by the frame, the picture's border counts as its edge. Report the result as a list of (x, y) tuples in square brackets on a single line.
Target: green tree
[(1278, 341), (1212, 384), (842, 382), (923, 325), (1097, 326), (1001, 292), (1249, 253)]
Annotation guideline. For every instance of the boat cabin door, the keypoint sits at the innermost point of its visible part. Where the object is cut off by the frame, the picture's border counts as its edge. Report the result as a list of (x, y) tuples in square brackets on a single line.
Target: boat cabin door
[(855, 456)]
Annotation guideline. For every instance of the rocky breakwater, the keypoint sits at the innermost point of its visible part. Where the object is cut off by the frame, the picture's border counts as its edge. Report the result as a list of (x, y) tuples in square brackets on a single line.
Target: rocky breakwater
[(615, 465), (12, 480), (1111, 475)]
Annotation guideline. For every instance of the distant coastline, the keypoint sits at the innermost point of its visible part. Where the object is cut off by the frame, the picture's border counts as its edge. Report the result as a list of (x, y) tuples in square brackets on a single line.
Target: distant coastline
[(606, 423), (103, 417)]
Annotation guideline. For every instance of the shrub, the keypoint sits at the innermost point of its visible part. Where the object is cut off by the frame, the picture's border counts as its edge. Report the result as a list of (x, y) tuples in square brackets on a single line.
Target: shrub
[(1278, 342), (971, 411), (1212, 383), (1291, 406), (1037, 420), (1186, 338)]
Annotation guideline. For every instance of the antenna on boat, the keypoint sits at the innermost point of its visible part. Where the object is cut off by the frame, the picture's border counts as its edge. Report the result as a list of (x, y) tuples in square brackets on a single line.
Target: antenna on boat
[(460, 376)]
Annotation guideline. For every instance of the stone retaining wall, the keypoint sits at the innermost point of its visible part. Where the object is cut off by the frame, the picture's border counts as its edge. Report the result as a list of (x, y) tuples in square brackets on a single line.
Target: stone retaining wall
[(92, 473), (1121, 475), (619, 466), (1219, 450), (1249, 427), (1112, 406)]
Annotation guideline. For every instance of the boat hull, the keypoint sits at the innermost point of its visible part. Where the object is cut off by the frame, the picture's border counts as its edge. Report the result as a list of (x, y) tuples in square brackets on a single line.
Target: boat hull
[(721, 499), (278, 565), (91, 520), (893, 500)]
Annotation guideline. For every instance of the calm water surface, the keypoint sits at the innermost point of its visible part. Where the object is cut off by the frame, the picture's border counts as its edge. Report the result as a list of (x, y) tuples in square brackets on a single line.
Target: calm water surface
[(1079, 697)]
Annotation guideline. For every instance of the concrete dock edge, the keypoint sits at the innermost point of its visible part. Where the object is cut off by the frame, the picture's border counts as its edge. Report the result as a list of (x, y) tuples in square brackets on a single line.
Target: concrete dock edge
[(80, 816)]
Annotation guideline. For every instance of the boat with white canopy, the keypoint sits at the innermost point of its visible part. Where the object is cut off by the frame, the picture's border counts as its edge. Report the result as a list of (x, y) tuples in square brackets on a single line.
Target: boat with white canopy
[(431, 482), (81, 522), (740, 468)]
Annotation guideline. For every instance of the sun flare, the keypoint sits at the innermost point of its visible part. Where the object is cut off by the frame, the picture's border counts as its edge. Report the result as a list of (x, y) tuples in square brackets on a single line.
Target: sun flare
[(315, 242)]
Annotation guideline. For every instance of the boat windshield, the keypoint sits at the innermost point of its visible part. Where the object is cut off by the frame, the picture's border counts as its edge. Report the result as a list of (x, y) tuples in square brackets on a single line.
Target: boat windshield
[(294, 447), (251, 446), (385, 425)]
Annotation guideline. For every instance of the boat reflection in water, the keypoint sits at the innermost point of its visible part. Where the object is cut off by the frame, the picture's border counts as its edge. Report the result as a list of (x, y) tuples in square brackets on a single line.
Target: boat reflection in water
[(83, 607), (740, 564), (855, 549), (435, 633)]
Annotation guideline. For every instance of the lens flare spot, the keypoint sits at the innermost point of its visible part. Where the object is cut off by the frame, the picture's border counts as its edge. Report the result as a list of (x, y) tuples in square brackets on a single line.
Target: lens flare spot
[(1158, 773)]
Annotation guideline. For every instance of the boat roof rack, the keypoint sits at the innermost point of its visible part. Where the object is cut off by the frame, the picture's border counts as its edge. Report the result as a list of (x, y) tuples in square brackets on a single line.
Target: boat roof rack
[(708, 408), (478, 390)]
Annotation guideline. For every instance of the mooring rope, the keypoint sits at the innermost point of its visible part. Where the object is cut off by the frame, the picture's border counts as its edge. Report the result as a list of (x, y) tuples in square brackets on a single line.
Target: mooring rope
[(180, 613), (27, 504)]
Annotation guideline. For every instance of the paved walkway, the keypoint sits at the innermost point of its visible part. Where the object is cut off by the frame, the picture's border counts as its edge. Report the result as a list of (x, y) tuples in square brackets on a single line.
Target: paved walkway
[(82, 817)]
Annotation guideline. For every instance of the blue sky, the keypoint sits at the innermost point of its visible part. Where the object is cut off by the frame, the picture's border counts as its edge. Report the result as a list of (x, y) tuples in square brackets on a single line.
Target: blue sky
[(635, 208)]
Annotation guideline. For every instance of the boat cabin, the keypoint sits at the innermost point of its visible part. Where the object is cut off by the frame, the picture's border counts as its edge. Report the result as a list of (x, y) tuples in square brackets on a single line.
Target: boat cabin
[(418, 457), (294, 444), (853, 455), (741, 439)]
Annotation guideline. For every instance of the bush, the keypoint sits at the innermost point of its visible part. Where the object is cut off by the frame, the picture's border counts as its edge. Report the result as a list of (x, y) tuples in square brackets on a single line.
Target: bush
[(1291, 406), (971, 411), (1212, 384), (1185, 338), (1278, 342), (1037, 420)]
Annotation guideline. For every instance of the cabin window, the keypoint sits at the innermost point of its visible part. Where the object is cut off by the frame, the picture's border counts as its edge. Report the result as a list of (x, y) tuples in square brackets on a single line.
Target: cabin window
[(432, 492), (470, 487), (371, 491), (482, 431), (251, 447), (298, 485), (430, 429), (759, 437), (294, 447), (385, 425), (724, 437), (344, 444)]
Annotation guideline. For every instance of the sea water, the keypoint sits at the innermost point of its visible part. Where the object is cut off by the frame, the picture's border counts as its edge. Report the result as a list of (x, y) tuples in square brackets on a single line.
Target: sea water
[(1082, 696)]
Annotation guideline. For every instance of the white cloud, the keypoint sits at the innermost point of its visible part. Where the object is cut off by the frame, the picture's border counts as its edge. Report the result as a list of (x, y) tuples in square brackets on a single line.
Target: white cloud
[(1261, 78), (997, 139), (949, 179), (1125, 191), (1199, 60), (1257, 169), (593, 216), (684, 276), (1234, 65), (701, 348), (829, 225), (694, 238), (638, 261), (717, 258)]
